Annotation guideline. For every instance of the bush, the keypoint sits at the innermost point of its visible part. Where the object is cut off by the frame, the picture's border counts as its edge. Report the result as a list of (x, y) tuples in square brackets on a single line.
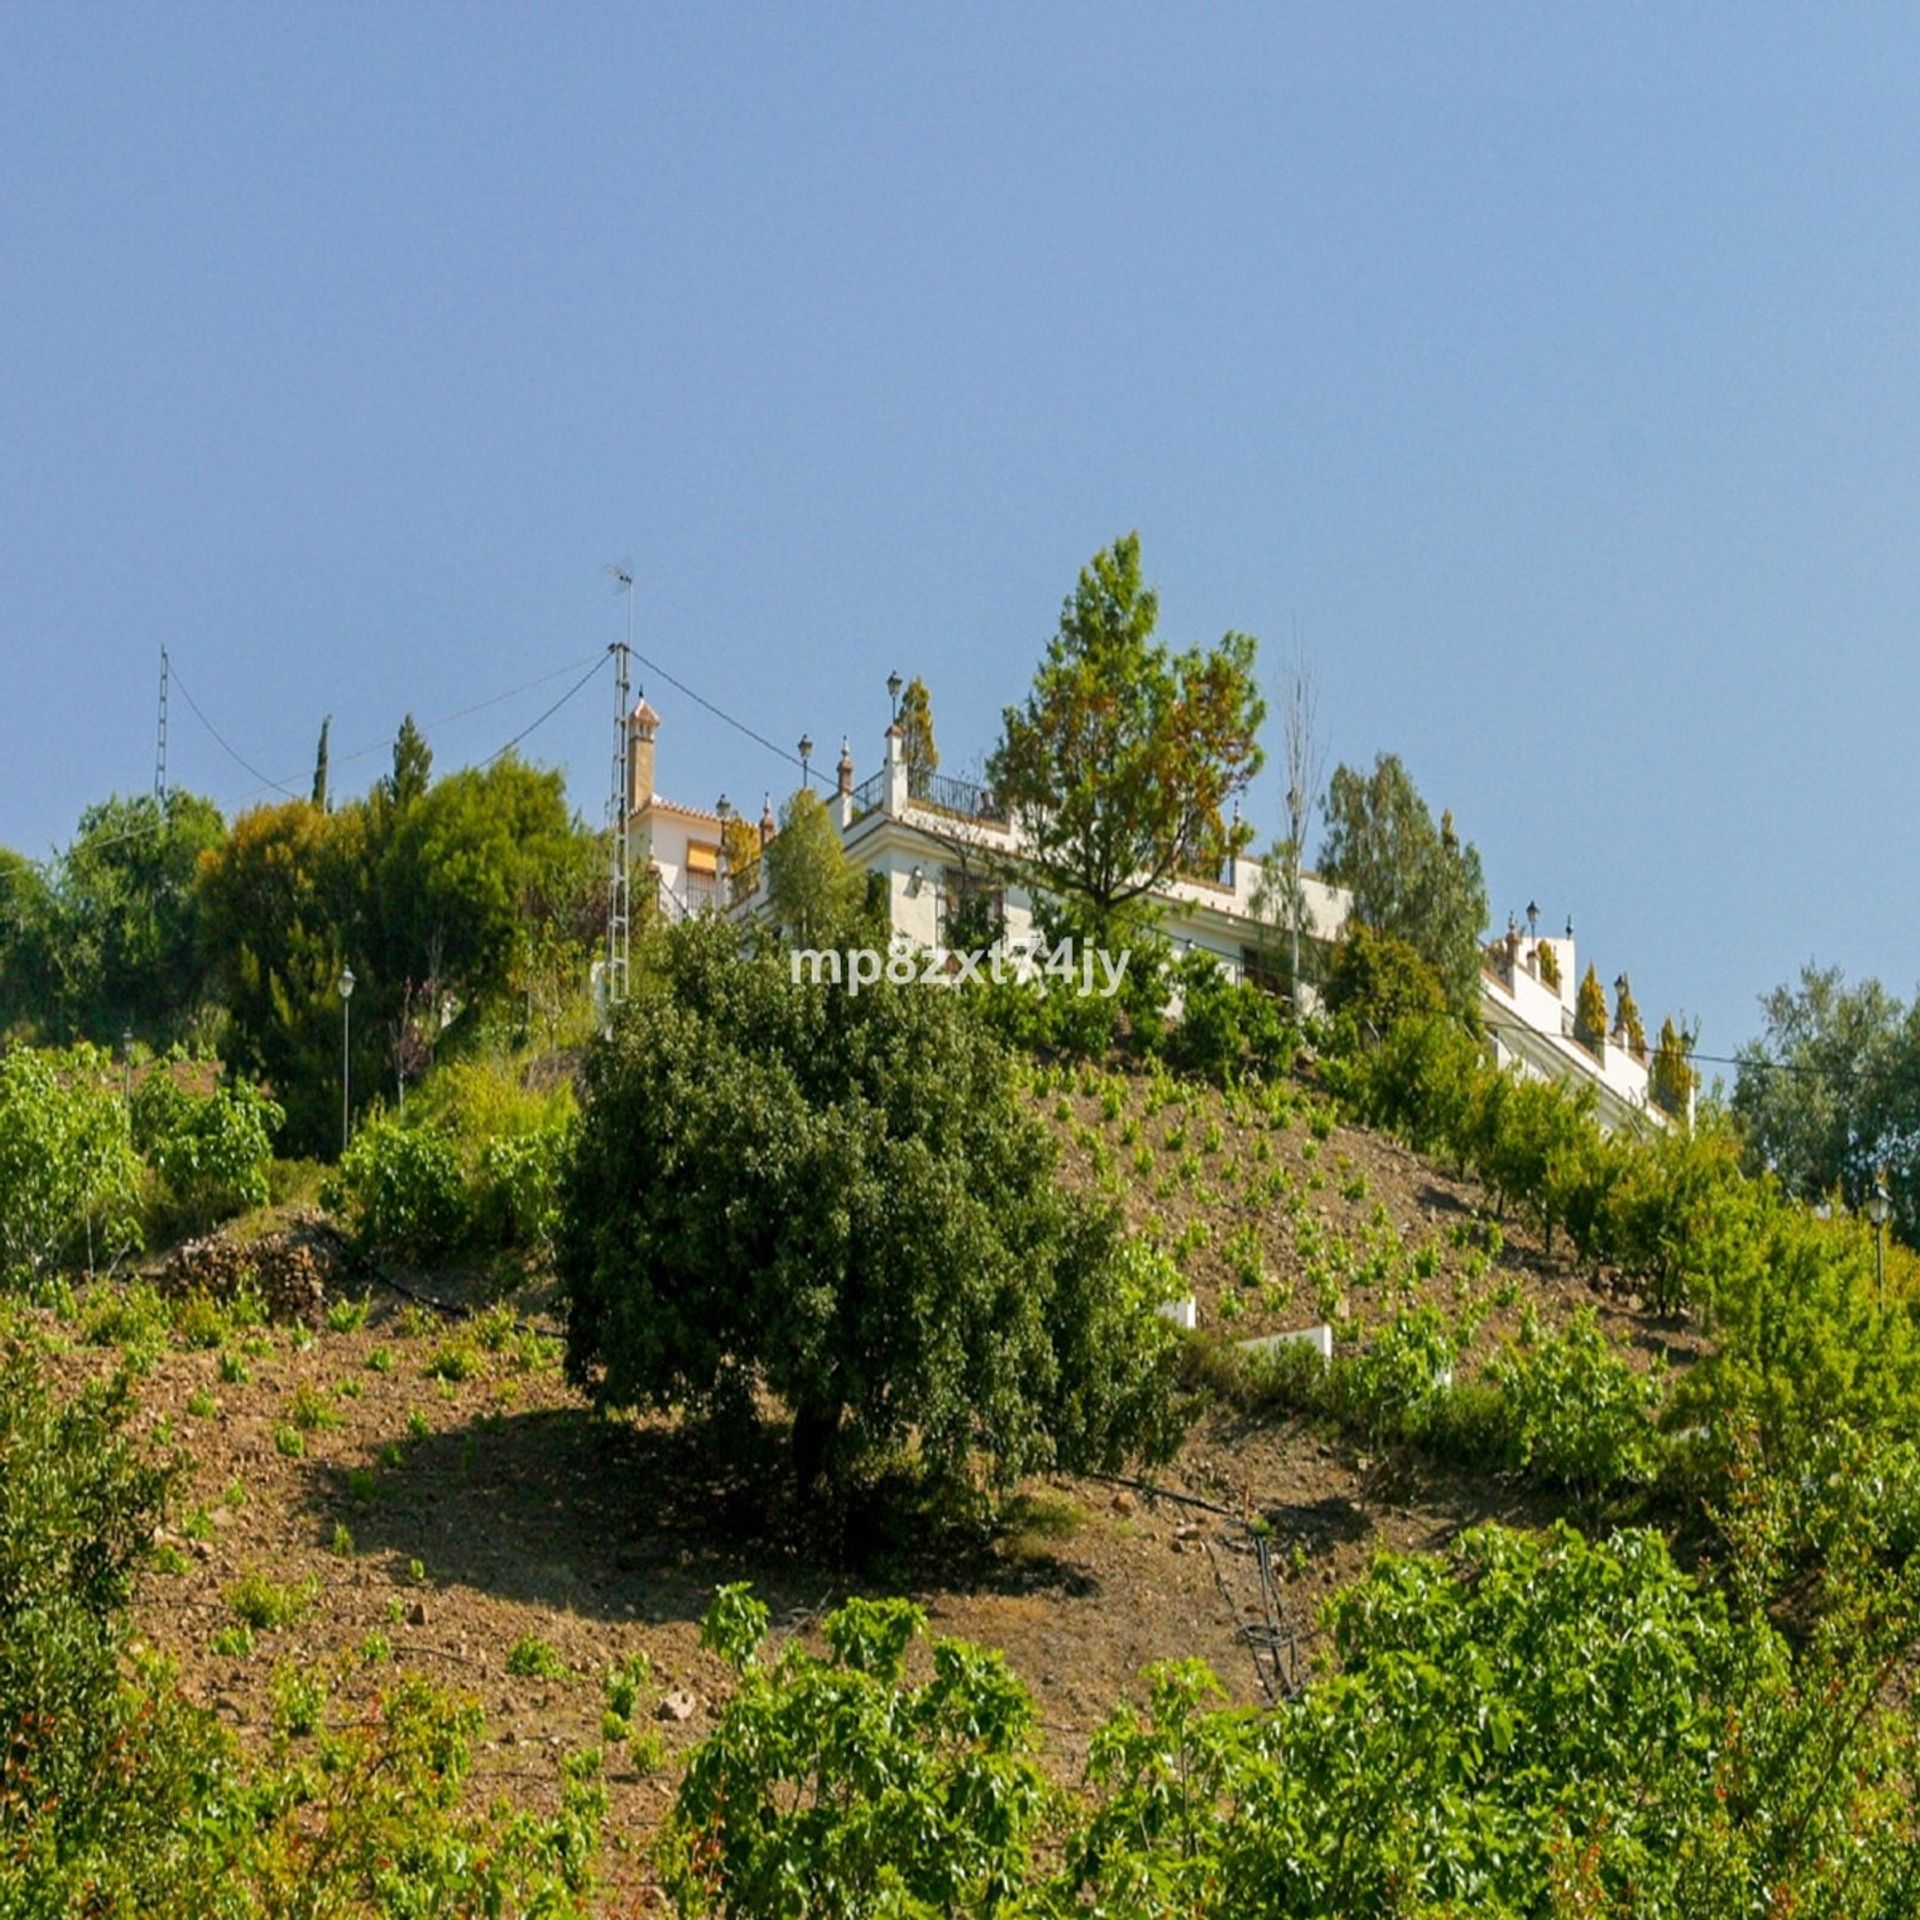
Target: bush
[(403, 1189), (834, 1786), (843, 1200), (1226, 1027), (1576, 1414), (213, 1153), (1378, 981), (517, 1189), (69, 1178)]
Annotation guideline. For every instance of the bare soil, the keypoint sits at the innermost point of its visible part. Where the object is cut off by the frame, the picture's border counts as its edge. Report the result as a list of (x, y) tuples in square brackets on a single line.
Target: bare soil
[(455, 1515)]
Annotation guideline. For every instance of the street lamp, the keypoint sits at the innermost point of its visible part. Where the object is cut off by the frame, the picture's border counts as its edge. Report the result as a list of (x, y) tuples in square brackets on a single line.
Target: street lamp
[(723, 810), (806, 754), (1879, 1206), (894, 684), (346, 1056)]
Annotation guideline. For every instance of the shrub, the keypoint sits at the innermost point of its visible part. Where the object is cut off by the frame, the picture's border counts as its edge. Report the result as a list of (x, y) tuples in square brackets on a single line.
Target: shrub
[(517, 1189), (69, 1177), (783, 1809), (1576, 1414), (891, 1257), (213, 1153), (403, 1189), (531, 1658), (1378, 981), (1226, 1027)]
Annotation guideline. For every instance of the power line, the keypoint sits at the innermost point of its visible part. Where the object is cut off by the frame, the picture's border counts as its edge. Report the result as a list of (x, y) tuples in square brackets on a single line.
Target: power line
[(720, 713), (187, 695), (599, 662)]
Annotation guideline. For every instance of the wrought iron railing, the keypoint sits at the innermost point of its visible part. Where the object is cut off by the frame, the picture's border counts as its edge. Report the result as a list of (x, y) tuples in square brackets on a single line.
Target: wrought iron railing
[(870, 795), (963, 798)]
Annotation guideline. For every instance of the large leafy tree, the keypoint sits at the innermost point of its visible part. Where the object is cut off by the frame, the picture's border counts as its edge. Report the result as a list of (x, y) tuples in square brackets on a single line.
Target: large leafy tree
[(110, 938), (840, 1199), (1122, 763), (284, 905), (1409, 878), (813, 889), (1829, 1094)]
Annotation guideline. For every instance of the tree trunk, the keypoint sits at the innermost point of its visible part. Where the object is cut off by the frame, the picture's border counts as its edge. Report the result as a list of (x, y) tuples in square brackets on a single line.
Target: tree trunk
[(815, 1428)]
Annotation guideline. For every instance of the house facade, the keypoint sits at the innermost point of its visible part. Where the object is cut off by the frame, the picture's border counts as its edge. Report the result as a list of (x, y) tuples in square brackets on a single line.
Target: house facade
[(939, 844)]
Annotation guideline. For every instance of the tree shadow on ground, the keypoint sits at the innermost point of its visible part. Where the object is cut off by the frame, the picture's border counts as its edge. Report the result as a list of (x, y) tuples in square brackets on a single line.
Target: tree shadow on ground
[(616, 1519)]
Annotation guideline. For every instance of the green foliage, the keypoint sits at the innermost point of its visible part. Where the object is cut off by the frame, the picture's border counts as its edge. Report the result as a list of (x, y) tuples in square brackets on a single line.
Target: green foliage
[(1124, 760), (1380, 980), (1226, 1027), (531, 1658), (69, 1178), (1408, 879), (403, 1189), (1526, 1725), (1827, 1096), (1547, 959), (834, 1786), (1390, 1389), (112, 938), (1574, 1414), (1626, 1018), (212, 1152), (1672, 1079), (892, 1257), (814, 892), (917, 746), (1590, 1014), (268, 1605)]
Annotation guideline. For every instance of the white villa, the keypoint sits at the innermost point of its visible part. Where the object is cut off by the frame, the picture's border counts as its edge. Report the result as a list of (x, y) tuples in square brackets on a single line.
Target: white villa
[(935, 839)]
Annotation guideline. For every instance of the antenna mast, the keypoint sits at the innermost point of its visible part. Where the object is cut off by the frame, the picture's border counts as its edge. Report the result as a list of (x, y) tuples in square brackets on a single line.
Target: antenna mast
[(619, 907), (160, 743)]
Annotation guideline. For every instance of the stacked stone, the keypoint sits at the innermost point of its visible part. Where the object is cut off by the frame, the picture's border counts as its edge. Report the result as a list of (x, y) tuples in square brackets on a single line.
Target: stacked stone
[(287, 1270)]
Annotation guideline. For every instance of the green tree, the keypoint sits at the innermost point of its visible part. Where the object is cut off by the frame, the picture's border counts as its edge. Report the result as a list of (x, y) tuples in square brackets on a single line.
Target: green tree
[(916, 735), (1122, 763), (26, 933), (1590, 1014), (893, 1259), (322, 793), (1829, 1094), (1407, 877), (114, 940), (813, 889), (1626, 1018), (285, 904), (69, 1178), (1672, 1078)]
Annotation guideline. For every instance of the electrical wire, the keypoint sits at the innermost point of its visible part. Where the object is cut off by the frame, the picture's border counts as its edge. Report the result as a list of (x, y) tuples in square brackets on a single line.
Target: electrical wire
[(550, 712), (220, 740), (720, 713)]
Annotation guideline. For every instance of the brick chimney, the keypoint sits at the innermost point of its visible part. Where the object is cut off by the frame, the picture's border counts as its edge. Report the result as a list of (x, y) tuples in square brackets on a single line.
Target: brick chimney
[(845, 769), (768, 825), (642, 724)]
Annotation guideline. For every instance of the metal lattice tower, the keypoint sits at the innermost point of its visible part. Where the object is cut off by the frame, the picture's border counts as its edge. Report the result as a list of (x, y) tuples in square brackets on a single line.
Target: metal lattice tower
[(160, 743), (619, 903)]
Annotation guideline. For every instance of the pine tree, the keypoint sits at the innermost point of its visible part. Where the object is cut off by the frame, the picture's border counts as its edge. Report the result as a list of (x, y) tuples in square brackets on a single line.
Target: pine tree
[(917, 746), (1672, 1078)]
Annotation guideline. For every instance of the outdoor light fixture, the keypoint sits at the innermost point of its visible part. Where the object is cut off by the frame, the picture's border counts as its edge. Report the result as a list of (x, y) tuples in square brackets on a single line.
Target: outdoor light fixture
[(806, 754), (1533, 920), (346, 1056), (894, 684), (1879, 1207), (723, 811)]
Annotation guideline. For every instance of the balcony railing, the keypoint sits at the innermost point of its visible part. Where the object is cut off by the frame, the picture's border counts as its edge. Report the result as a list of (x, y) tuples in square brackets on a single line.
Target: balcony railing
[(942, 793), (870, 795)]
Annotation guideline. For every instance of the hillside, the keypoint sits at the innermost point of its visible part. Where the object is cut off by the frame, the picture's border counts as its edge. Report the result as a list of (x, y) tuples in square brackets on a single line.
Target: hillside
[(448, 1497)]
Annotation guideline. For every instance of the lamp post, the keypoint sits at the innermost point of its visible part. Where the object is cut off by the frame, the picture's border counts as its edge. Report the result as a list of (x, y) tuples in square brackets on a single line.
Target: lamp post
[(1879, 1206), (724, 810), (346, 1056), (806, 754), (894, 684)]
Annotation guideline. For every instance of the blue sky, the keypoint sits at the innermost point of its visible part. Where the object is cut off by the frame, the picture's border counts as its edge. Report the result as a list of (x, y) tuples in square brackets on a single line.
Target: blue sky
[(1552, 373)]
